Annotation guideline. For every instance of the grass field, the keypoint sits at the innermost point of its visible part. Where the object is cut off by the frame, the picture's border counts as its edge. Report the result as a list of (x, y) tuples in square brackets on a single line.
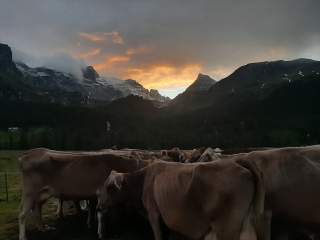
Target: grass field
[(9, 210)]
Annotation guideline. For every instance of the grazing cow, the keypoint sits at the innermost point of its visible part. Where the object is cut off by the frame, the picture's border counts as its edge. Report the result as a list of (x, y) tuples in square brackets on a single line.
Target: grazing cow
[(136, 153), (184, 156), (291, 179), (216, 200), (67, 175)]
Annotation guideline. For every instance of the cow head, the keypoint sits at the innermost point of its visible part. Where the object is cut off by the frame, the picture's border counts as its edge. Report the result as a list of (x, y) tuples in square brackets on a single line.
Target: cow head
[(176, 154), (111, 194)]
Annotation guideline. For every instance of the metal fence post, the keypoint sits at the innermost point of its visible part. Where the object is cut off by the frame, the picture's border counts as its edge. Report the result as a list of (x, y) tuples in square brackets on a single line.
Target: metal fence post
[(6, 185)]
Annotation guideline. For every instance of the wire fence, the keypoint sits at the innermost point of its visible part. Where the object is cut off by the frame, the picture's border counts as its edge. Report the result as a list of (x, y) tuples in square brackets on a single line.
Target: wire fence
[(10, 186)]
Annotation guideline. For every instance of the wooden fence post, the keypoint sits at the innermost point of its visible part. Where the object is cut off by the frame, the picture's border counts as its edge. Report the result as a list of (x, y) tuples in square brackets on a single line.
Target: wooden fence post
[(6, 185)]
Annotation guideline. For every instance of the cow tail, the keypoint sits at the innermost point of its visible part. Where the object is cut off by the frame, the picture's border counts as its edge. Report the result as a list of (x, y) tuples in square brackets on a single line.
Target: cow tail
[(258, 199)]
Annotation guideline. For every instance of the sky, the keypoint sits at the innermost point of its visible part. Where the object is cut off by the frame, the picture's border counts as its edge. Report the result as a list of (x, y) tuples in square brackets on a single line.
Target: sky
[(163, 44)]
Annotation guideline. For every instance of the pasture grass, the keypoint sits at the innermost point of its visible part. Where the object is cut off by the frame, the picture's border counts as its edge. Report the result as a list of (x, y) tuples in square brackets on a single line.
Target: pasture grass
[(9, 210)]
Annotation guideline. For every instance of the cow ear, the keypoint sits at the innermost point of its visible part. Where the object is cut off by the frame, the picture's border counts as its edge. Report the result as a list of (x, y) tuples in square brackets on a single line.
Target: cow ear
[(118, 180)]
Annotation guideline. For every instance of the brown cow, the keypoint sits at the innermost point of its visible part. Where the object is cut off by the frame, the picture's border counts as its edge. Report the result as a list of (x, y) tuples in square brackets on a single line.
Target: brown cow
[(206, 200), (66, 175), (291, 179), (136, 153), (185, 156)]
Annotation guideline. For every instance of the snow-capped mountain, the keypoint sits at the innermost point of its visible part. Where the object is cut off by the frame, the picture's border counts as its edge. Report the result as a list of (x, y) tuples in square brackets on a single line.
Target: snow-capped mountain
[(19, 81), (91, 87)]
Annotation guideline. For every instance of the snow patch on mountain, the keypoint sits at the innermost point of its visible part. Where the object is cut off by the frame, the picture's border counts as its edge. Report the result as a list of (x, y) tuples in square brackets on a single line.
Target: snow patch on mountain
[(92, 86)]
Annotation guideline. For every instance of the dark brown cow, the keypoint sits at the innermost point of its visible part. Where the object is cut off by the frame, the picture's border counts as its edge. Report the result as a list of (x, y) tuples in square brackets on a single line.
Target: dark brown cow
[(291, 179), (67, 175), (206, 200)]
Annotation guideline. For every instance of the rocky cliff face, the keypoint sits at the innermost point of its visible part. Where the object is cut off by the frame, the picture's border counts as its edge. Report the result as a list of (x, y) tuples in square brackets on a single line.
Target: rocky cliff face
[(6, 63), (90, 73)]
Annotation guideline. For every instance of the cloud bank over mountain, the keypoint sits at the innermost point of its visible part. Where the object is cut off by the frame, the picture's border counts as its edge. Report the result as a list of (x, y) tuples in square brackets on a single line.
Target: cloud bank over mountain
[(166, 43)]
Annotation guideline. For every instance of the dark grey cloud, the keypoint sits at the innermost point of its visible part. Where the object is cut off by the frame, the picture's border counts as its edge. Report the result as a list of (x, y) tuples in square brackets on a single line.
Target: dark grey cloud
[(218, 35)]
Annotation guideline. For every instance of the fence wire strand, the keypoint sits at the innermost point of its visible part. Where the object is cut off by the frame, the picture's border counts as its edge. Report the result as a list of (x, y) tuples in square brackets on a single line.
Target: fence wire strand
[(10, 186)]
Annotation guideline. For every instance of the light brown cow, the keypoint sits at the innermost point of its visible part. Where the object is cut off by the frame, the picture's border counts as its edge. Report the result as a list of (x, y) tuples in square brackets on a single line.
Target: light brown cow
[(67, 175), (206, 200), (291, 179), (136, 153)]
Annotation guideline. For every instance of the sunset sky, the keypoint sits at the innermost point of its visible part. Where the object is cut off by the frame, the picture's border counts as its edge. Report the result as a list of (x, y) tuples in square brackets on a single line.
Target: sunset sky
[(163, 44)]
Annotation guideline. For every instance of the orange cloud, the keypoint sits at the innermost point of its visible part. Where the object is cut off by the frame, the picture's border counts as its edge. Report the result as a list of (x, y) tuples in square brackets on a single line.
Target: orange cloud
[(90, 54), (111, 61), (92, 37), (164, 76), (159, 76), (102, 37), (139, 50), (116, 37)]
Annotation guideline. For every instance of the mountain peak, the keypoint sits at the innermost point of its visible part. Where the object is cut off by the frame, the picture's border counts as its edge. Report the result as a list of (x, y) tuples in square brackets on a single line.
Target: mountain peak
[(202, 83), (6, 62), (90, 73)]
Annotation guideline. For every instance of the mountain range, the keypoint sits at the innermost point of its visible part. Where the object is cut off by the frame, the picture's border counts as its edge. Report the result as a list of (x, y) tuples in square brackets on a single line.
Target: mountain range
[(252, 83), (271, 103), (24, 83)]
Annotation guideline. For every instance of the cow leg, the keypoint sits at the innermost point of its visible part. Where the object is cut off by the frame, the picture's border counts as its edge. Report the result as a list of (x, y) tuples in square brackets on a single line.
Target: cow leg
[(26, 207), (59, 211), (99, 217), (77, 206), (238, 223), (267, 224), (248, 232), (282, 236), (91, 212), (211, 236), (154, 218), (37, 213)]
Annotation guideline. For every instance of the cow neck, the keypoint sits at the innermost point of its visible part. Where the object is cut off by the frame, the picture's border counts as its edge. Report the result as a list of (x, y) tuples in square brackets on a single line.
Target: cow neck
[(133, 184)]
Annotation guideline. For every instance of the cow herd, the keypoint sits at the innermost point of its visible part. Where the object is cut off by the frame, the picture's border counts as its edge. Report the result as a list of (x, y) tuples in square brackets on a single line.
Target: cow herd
[(199, 193)]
